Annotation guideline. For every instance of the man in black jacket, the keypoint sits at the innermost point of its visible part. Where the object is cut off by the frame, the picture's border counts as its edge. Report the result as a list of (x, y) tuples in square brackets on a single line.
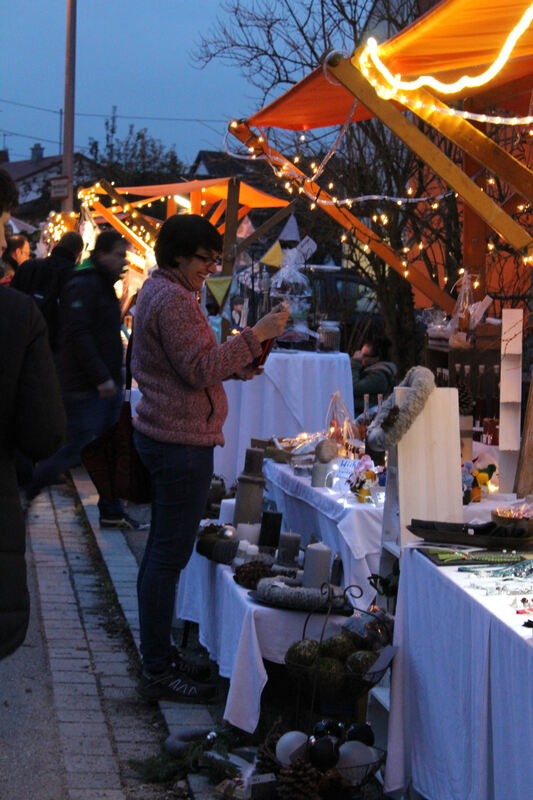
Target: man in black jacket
[(32, 420), (89, 364), (45, 278)]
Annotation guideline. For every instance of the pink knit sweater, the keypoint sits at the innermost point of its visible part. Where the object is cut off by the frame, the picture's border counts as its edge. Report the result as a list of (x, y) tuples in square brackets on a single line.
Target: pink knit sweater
[(178, 365)]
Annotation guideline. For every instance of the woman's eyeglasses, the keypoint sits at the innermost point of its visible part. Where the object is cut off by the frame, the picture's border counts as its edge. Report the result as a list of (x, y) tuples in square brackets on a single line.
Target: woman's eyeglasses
[(209, 261)]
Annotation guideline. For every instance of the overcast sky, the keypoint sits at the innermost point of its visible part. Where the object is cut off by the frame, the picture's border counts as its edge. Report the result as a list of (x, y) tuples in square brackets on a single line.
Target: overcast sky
[(130, 53)]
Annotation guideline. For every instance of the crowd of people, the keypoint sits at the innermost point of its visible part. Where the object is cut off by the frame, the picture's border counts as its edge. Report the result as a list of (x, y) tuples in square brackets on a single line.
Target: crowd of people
[(60, 322), (62, 382)]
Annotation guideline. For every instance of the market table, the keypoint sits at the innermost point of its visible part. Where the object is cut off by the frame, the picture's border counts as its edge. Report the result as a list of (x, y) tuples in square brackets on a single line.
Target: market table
[(239, 634), (347, 527), (461, 718), (291, 396)]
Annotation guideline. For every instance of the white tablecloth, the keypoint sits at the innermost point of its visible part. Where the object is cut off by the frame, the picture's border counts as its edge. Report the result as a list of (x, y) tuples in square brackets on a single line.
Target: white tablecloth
[(461, 720), (291, 396), (349, 528), (239, 633)]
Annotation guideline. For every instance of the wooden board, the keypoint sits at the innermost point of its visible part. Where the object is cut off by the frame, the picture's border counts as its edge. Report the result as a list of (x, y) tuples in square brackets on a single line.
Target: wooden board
[(429, 464)]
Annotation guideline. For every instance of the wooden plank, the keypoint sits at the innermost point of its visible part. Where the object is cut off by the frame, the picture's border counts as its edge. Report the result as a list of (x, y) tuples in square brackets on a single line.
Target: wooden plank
[(172, 207), (347, 220), (135, 217), (196, 202), (429, 463), (231, 225), (123, 229), (524, 473), (475, 231), (243, 211), (217, 213), (350, 77)]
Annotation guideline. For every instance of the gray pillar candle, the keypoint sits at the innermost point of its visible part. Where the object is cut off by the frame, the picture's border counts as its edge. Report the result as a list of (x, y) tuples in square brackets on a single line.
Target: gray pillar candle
[(289, 545), (319, 473), (317, 565), (251, 484)]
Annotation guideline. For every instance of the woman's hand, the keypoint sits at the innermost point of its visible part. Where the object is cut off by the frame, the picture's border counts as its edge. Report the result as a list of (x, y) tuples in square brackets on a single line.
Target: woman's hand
[(272, 324), (247, 373)]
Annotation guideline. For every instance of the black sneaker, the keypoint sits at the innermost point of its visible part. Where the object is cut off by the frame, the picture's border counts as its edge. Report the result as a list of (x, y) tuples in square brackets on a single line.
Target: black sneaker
[(124, 522), (171, 686), (189, 669), (185, 668)]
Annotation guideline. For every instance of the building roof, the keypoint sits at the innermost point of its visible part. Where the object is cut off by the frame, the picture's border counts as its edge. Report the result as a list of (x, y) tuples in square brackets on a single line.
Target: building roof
[(217, 164), (21, 170)]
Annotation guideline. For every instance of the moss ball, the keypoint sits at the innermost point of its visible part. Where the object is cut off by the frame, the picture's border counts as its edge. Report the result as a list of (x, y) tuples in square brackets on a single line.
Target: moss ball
[(361, 661), (303, 653), (330, 672), (339, 647)]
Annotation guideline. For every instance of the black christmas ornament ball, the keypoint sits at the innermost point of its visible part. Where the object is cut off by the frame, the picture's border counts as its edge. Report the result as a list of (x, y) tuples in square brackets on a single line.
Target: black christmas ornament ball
[(323, 752), (329, 727), (359, 732)]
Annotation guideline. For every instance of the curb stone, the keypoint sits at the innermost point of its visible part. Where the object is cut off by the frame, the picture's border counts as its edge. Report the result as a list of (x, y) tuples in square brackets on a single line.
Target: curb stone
[(122, 567)]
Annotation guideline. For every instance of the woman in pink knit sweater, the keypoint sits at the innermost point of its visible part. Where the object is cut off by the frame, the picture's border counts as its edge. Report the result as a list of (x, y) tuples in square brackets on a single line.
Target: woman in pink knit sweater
[(179, 369)]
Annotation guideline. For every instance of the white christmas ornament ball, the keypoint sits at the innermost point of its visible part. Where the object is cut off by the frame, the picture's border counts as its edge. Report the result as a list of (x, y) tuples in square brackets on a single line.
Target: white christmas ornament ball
[(354, 757), (287, 744)]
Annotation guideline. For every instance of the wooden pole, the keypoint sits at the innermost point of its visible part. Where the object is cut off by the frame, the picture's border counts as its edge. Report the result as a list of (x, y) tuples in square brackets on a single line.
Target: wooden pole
[(230, 237), (70, 84)]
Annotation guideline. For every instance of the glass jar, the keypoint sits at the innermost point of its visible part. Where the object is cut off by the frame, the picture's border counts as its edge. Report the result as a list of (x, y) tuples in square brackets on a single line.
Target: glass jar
[(329, 336)]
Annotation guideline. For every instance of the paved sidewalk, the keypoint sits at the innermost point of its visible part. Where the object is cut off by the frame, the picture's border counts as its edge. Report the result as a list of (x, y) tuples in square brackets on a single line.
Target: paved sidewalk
[(123, 568), (70, 719)]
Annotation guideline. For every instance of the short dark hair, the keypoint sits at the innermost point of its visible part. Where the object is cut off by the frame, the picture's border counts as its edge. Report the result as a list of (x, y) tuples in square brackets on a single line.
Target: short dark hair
[(182, 235), (107, 240), (15, 243), (71, 241), (9, 195)]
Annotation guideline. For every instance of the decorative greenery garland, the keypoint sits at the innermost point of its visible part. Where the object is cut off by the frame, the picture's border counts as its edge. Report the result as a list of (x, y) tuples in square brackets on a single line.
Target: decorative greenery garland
[(393, 421)]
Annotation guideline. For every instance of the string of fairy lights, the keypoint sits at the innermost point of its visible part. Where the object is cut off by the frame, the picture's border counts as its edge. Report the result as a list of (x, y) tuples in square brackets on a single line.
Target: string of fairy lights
[(143, 230), (399, 89)]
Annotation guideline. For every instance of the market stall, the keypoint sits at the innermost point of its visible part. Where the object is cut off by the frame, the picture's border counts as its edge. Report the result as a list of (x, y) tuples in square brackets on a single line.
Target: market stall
[(349, 528), (494, 49), (291, 396)]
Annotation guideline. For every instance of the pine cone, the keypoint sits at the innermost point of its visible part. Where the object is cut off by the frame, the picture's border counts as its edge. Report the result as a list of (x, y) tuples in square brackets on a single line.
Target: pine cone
[(249, 574), (266, 760), (299, 781), (334, 786)]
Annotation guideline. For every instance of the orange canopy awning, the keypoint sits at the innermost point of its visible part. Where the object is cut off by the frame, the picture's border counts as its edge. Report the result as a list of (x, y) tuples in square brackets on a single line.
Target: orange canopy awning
[(212, 189), (454, 37)]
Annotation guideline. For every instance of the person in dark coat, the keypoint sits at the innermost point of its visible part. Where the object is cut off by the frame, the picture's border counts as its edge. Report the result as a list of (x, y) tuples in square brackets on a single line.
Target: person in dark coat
[(32, 419), (371, 375), (45, 278), (17, 251), (89, 364)]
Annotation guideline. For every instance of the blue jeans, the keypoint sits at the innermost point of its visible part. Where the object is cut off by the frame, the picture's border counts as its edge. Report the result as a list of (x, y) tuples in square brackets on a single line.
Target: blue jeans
[(181, 477), (88, 415)]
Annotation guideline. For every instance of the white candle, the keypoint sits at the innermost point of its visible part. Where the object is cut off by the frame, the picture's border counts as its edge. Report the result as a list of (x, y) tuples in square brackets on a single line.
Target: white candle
[(316, 565), (252, 552), (249, 531)]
